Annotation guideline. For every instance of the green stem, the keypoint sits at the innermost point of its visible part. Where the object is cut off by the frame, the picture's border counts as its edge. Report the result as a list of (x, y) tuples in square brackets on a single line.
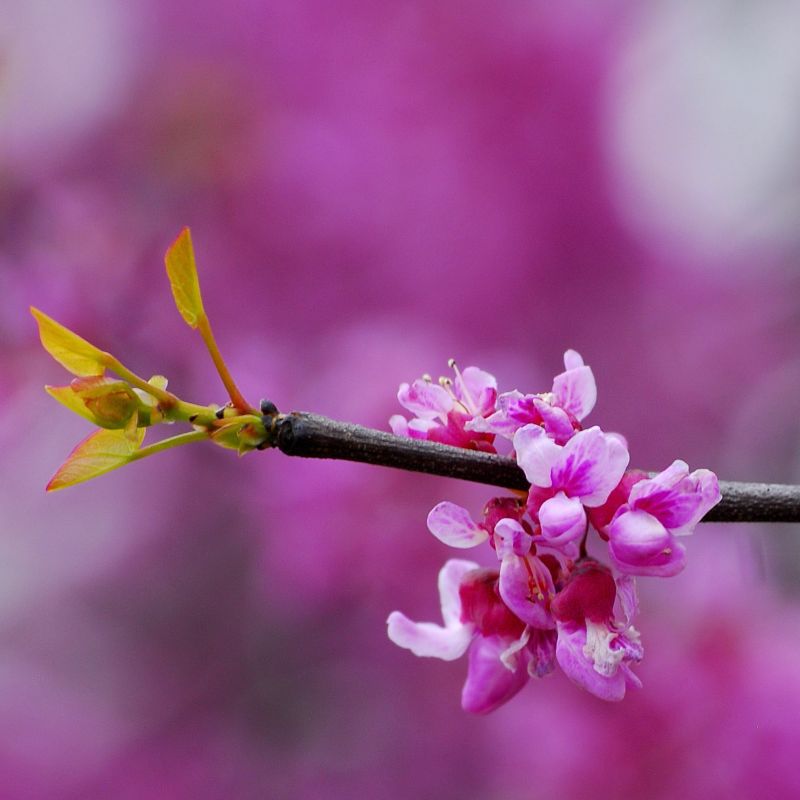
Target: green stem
[(168, 444), (172, 407), (239, 419), (167, 399)]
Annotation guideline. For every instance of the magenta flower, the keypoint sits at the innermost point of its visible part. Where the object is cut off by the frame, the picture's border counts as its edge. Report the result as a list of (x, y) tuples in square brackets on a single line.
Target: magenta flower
[(454, 526), (581, 473), (559, 412), (526, 581), (443, 411), (641, 535), (504, 653), (594, 649), (548, 602)]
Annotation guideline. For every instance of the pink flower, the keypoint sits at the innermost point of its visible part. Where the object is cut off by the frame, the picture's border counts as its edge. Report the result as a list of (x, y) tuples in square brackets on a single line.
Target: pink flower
[(594, 649), (526, 582), (559, 412), (443, 411), (581, 473), (643, 530), (504, 652), (575, 389), (548, 601), (454, 526)]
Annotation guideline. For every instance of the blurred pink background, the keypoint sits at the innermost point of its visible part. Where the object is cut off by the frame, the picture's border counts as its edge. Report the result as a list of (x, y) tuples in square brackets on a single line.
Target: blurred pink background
[(374, 187)]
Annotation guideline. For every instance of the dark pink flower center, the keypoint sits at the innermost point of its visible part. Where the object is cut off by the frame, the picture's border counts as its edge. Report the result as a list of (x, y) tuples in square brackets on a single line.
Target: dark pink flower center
[(589, 594), (482, 605)]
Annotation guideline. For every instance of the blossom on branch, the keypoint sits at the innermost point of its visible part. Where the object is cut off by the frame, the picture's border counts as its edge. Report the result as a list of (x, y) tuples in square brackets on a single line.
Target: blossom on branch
[(641, 535), (443, 412), (549, 602)]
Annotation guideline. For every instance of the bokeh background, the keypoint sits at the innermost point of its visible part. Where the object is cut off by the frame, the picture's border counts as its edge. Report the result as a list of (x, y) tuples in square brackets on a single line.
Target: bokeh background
[(374, 187)]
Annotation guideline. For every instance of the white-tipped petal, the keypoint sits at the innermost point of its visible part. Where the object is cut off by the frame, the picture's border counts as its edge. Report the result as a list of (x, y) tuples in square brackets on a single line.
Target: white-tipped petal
[(428, 640), (454, 526)]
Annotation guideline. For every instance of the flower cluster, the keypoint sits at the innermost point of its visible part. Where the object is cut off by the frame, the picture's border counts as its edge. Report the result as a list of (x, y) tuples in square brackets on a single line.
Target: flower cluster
[(547, 603)]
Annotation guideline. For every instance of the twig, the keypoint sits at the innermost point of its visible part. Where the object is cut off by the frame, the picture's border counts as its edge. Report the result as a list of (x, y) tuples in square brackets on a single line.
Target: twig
[(315, 436)]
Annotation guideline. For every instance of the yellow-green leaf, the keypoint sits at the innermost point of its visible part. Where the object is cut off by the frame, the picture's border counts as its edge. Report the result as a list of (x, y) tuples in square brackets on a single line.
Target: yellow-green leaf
[(68, 398), (70, 350), (97, 454), (182, 272), (112, 402)]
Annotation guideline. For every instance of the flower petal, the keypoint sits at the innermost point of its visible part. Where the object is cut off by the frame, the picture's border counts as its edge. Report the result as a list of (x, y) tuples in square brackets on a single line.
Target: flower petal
[(563, 519), (507, 418), (706, 485), (428, 640), (489, 683), (510, 538), (421, 428), (575, 389), (664, 563), (668, 496), (449, 581), (579, 667), (454, 526), (590, 465), (424, 399), (542, 646), (572, 359), (555, 420), (399, 425), (521, 596), (637, 536), (477, 390), (536, 454), (628, 598)]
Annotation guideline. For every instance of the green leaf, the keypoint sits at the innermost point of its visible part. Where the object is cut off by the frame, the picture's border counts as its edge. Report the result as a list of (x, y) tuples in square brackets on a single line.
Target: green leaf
[(182, 272), (70, 350), (97, 454)]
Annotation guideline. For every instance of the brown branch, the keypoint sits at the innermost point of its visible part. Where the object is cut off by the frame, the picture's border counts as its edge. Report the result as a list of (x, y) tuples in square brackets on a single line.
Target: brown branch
[(315, 436)]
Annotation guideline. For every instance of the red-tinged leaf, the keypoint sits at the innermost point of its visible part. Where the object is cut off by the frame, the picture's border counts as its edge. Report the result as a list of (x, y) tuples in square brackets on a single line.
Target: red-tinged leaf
[(97, 454), (70, 350), (182, 272)]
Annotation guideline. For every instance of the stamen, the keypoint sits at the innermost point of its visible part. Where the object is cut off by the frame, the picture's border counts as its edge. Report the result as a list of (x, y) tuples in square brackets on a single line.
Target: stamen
[(533, 581), (470, 406)]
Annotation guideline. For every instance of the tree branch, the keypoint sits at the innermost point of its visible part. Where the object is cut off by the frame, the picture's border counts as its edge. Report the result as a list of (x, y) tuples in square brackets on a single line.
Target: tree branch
[(315, 436)]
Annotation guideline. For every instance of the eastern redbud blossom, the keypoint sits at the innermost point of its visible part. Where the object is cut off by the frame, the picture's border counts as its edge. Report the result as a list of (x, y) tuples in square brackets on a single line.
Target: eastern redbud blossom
[(503, 652), (594, 648), (581, 473), (443, 411), (559, 412), (641, 535), (549, 602)]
